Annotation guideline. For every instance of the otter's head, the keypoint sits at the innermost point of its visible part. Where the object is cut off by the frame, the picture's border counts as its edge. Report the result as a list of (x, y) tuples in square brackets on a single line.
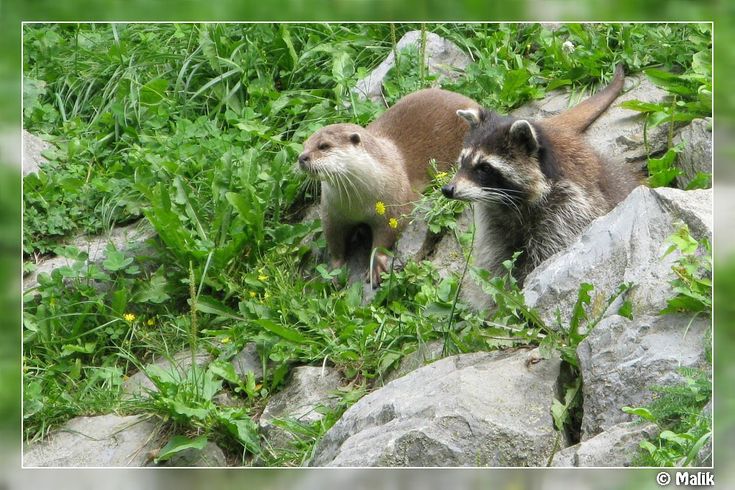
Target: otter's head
[(331, 150), (503, 161)]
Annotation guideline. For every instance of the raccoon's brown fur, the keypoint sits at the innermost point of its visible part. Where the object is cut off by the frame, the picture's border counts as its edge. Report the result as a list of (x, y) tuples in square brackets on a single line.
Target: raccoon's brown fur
[(387, 161), (536, 184)]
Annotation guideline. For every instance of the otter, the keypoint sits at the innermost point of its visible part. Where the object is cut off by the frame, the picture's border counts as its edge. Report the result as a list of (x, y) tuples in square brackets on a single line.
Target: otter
[(386, 162), (536, 185)]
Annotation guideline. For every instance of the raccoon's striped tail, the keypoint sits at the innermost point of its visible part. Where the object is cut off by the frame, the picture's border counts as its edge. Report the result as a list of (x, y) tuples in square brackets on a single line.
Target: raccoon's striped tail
[(579, 117)]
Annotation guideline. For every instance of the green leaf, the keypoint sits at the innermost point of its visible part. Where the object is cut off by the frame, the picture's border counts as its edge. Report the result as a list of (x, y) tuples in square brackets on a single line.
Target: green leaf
[(115, 260), (188, 411), (154, 291), (644, 413), (153, 92), (281, 331), (224, 370), (207, 304), (640, 106), (69, 349), (626, 310), (180, 443), (244, 429), (578, 312)]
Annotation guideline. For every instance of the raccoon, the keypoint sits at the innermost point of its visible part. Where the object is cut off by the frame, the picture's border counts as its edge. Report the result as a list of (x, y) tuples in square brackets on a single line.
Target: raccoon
[(536, 185)]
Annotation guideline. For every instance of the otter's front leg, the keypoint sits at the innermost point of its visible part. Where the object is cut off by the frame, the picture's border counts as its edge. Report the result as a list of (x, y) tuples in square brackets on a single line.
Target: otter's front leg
[(383, 237), (336, 234)]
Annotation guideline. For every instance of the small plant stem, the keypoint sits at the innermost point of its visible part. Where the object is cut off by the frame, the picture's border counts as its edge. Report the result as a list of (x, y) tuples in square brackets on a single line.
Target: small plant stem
[(459, 286)]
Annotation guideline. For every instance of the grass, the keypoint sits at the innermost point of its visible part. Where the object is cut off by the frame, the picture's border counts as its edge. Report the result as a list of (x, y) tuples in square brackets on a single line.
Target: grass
[(195, 128)]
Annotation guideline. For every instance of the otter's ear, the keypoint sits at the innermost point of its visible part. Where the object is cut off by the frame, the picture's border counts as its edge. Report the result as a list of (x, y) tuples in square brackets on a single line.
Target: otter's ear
[(523, 135), (473, 116), (354, 138)]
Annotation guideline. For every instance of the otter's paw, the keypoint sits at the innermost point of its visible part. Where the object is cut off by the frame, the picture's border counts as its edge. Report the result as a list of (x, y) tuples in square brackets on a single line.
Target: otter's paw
[(380, 265)]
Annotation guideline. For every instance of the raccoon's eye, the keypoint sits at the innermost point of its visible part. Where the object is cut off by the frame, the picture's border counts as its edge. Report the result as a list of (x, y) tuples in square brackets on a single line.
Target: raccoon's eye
[(324, 146), (484, 168)]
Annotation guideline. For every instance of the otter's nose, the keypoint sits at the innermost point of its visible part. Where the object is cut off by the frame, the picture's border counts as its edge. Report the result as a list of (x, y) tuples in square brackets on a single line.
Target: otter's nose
[(448, 191), (304, 160)]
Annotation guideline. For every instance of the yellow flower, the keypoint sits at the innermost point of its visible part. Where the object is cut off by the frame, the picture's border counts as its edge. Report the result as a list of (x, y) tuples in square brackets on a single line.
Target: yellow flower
[(226, 340), (380, 208), (393, 223), (441, 175), (262, 278), (253, 294), (128, 317), (150, 322)]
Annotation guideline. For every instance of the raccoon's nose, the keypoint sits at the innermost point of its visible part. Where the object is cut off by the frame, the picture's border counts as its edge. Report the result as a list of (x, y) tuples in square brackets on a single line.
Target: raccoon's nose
[(448, 191), (303, 160)]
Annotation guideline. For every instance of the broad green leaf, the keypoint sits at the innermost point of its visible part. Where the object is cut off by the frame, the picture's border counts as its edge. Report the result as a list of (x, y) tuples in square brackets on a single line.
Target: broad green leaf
[(644, 413), (180, 443), (281, 331), (115, 260)]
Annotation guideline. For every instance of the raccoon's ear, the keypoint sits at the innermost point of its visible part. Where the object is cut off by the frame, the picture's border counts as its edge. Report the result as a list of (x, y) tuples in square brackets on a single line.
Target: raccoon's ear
[(354, 138), (523, 134), (473, 116)]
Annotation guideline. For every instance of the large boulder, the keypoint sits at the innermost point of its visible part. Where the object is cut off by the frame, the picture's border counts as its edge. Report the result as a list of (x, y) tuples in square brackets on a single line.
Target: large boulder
[(443, 58), (481, 409), (616, 446), (103, 441), (626, 245), (621, 359)]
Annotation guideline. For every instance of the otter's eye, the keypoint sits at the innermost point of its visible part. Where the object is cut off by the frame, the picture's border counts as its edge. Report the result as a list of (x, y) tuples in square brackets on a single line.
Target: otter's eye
[(324, 146)]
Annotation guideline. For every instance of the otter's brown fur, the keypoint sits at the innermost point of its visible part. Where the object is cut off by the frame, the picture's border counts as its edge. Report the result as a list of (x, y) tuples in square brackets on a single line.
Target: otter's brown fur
[(537, 184), (387, 161)]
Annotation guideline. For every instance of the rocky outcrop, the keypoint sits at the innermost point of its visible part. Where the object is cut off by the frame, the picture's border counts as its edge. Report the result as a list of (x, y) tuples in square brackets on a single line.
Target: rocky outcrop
[(617, 447), (443, 59), (626, 245), (482, 409), (621, 359), (104, 441)]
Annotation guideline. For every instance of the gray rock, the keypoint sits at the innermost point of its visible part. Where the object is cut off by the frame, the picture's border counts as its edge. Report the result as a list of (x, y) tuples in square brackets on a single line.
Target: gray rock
[(178, 367), (481, 409), (132, 237), (621, 359), (308, 388), (210, 456), (227, 400), (626, 245), (697, 154), (248, 360), (616, 446), (33, 147), (105, 441), (443, 58), (414, 243), (618, 133), (424, 354)]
